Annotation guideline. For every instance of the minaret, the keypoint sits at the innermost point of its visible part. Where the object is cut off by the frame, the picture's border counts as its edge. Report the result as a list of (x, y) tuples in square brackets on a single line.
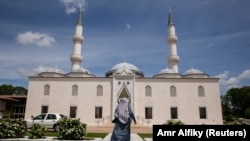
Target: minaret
[(76, 57), (173, 58)]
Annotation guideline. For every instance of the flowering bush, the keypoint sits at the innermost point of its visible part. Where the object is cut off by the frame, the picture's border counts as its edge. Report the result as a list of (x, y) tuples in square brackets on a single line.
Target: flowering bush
[(12, 128), (71, 129), (37, 131)]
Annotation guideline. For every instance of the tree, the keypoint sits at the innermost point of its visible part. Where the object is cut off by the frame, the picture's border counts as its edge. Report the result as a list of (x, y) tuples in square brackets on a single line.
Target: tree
[(20, 90), (6, 89), (11, 90), (236, 103)]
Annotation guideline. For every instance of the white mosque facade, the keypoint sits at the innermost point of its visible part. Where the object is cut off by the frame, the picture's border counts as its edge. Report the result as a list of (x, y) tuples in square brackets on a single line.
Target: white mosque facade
[(192, 97)]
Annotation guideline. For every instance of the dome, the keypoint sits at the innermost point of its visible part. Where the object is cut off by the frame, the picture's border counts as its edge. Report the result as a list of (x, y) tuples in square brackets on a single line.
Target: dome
[(129, 68), (166, 70), (83, 70), (193, 71), (167, 73), (119, 71), (124, 65), (54, 70)]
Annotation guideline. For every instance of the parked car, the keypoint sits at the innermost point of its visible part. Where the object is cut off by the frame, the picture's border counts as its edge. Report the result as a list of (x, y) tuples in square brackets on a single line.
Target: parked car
[(49, 120)]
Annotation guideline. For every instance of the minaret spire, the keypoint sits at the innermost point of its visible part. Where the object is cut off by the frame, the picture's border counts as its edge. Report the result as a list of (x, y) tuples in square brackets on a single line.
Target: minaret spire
[(76, 57), (170, 19), (80, 16), (173, 58)]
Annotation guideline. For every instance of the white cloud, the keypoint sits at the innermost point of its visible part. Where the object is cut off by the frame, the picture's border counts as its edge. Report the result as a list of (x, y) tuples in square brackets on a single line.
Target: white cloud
[(36, 38), (128, 26), (232, 82), (71, 6), (245, 75), (38, 69)]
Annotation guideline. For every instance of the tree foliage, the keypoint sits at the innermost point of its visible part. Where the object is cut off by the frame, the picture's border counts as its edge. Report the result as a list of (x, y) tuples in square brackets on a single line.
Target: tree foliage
[(236, 103), (12, 90)]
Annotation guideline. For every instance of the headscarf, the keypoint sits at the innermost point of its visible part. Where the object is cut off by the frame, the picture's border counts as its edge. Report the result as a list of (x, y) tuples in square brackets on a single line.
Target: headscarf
[(122, 112)]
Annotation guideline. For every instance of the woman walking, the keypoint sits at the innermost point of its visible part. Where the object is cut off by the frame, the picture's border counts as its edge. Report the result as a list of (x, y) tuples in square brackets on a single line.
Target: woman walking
[(123, 115)]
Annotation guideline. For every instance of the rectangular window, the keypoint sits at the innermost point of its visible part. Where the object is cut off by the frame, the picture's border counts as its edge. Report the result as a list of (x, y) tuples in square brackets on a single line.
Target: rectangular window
[(203, 113), (44, 109), (148, 112), (174, 113), (72, 112), (98, 112)]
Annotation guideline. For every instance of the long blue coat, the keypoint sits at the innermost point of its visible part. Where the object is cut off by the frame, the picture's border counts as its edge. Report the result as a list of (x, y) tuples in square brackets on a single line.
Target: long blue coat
[(121, 131)]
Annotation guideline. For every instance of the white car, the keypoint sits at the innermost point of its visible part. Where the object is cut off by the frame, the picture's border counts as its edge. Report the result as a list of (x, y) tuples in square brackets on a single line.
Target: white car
[(49, 120)]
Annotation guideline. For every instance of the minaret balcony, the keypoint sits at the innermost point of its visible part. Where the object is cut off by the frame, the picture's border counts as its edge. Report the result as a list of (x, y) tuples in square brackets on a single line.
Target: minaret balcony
[(77, 38), (172, 39), (76, 58), (174, 58)]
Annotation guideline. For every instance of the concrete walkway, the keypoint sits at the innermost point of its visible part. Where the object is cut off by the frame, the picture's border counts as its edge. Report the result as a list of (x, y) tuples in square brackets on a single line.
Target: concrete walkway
[(108, 128), (133, 137)]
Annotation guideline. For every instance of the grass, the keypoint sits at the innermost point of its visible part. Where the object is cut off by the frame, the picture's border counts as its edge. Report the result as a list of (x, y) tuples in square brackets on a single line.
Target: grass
[(145, 135)]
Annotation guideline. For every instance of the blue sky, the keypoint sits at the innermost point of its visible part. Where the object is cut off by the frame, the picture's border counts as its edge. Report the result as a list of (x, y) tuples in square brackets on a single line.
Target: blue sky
[(213, 36)]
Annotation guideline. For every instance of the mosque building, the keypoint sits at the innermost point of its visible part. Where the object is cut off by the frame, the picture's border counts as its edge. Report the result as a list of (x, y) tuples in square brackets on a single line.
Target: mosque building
[(192, 97)]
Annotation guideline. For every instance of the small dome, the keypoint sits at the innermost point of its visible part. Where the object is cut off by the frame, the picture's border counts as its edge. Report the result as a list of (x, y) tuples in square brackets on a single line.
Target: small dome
[(83, 70), (167, 73), (51, 72), (166, 70), (56, 70), (193, 71)]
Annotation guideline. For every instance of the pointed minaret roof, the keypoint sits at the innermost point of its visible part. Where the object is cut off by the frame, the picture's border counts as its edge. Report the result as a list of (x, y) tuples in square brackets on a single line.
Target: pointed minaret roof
[(79, 21), (170, 20)]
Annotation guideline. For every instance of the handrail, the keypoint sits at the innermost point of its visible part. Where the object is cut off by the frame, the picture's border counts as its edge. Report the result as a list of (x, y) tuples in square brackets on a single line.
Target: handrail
[(140, 118), (102, 120), (143, 120)]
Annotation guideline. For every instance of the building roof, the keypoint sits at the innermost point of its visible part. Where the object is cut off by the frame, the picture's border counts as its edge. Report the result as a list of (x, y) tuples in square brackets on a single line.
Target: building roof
[(12, 97)]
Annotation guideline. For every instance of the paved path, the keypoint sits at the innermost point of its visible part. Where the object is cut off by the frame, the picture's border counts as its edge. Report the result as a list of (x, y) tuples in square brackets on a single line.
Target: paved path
[(133, 137), (134, 130)]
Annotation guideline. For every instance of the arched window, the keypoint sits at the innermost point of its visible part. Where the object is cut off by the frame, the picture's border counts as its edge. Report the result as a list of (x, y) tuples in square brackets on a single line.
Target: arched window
[(148, 91), (46, 89), (99, 89), (201, 91), (74, 90), (173, 91)]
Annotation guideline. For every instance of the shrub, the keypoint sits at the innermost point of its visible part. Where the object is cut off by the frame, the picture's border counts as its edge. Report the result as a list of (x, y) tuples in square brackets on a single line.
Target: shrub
[(12, 128), (71, 129), (236, 121), (174, 122), (37, 131)]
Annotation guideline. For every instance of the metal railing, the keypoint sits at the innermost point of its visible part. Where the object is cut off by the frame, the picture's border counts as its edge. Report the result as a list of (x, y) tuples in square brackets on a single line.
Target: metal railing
[(103, 120), (143, 120)]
